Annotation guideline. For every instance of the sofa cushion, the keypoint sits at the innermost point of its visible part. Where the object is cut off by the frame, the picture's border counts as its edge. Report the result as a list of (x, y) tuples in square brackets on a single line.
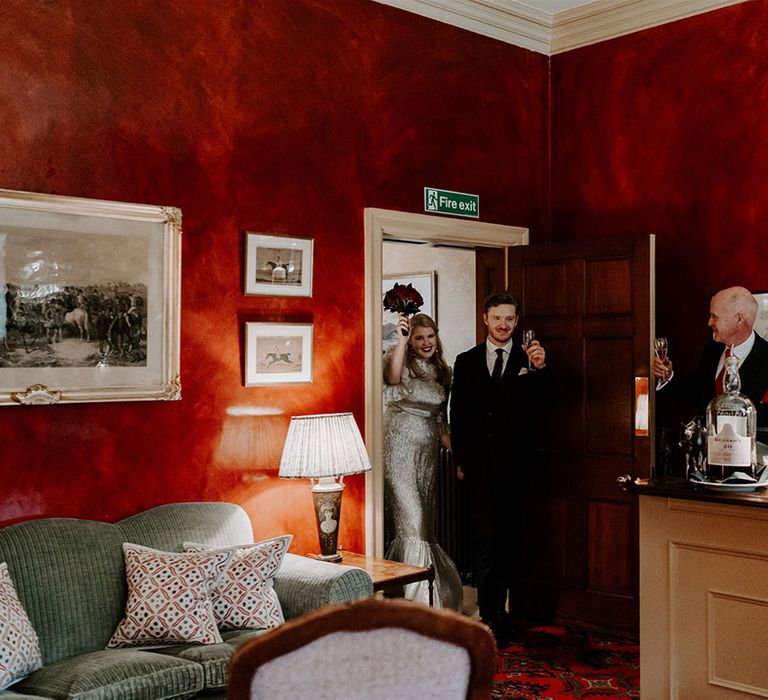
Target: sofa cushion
[(70, 578), (19, 647), (124, 674), (244, 596), (214, 658), (169, 597)]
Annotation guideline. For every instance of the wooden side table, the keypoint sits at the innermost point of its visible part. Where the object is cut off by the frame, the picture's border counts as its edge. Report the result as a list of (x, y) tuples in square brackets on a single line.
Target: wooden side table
[(386, 573)]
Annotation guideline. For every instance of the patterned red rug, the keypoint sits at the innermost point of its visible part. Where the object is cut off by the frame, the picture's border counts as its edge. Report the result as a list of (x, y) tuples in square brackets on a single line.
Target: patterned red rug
[(545, 663)]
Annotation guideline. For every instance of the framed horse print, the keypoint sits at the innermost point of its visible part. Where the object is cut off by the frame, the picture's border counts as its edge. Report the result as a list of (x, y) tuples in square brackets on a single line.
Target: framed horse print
[(278, 353), (278, 265), (89, 300)]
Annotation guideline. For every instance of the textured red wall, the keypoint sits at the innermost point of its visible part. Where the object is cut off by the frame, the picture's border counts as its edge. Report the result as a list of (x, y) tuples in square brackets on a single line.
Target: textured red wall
[(268, 116), (666, 131)]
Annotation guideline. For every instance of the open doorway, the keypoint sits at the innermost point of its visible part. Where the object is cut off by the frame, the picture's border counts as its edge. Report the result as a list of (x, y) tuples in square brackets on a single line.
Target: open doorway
[(406, 229)]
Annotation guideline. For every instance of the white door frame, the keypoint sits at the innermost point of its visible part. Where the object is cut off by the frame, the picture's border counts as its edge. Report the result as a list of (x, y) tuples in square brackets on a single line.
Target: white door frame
[(381, 224)]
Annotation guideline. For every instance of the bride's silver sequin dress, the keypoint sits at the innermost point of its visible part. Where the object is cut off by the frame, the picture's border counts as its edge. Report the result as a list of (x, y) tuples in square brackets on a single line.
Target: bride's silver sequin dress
[(414, 418)]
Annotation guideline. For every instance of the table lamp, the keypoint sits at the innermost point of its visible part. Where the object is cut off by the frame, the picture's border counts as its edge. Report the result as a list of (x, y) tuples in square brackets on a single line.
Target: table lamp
[(324, 448)]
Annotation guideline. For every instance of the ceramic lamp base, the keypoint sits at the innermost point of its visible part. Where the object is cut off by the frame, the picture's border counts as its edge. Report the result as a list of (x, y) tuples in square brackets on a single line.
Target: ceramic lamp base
[(327, 497)]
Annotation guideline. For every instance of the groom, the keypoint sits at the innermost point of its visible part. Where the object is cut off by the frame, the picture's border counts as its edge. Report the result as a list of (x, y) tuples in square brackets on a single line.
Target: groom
[(497, 386)]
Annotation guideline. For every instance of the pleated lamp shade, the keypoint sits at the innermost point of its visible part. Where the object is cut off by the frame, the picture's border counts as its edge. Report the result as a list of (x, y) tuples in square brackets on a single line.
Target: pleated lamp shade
[(324, 445)]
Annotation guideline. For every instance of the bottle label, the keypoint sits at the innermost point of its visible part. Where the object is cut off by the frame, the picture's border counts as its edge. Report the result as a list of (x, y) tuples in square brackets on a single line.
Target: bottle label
[(738, 423), (728, 448)]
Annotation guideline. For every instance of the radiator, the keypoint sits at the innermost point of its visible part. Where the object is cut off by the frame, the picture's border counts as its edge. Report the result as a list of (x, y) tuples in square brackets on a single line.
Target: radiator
[(453, 516)]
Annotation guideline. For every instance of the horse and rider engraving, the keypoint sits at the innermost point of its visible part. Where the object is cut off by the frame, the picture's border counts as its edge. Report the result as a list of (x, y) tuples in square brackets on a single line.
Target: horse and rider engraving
[(274, 358)]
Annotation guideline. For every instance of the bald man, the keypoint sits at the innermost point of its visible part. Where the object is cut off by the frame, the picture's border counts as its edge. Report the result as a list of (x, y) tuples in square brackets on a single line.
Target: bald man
[(732, 314)]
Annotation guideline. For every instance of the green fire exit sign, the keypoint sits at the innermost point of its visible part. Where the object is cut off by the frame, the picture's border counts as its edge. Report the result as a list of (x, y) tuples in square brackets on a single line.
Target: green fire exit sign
[(447, 202)]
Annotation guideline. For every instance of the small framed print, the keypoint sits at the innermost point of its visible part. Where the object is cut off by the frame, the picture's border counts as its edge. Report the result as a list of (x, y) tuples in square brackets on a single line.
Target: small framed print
[(278, 353), (278, 265)]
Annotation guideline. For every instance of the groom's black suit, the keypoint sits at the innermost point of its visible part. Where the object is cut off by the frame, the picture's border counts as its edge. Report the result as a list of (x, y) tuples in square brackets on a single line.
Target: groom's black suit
[(492, 438)]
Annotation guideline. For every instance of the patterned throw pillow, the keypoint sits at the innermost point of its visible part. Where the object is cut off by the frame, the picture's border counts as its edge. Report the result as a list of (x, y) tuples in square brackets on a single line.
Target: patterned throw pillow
[(169, 597), (244, 597), (19, 646)]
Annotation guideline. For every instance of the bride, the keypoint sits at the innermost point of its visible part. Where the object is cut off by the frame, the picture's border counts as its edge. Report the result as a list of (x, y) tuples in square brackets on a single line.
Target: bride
[(417, 381)]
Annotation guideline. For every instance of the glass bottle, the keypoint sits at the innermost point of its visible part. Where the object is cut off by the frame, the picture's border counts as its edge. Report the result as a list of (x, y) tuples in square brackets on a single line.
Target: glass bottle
[(731, 428)]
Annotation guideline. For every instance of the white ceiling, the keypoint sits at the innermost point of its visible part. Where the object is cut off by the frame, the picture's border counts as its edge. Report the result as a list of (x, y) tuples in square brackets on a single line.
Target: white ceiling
[(554, 26)]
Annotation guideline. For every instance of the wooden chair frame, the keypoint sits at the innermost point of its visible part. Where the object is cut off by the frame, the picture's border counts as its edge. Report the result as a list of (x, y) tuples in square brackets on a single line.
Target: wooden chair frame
[(363, 615)]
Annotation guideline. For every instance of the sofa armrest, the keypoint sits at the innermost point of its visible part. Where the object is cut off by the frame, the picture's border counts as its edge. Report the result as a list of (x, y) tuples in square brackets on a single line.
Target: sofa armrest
[(303, 584)]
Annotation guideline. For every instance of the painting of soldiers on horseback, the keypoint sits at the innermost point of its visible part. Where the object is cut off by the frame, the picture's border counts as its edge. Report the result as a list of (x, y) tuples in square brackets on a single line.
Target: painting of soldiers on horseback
[(90, 300), (95, 325)]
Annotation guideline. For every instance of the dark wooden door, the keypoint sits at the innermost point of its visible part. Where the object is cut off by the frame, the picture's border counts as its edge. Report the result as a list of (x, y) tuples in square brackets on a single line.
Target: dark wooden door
[(590, 305), (490, 276)]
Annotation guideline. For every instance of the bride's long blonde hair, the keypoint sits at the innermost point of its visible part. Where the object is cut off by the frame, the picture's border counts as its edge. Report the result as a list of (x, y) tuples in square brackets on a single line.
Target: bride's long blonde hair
[(443, 371)]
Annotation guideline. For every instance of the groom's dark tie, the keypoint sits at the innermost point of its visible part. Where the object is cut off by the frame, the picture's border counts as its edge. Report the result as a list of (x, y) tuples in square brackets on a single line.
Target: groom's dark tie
[(498, 366)]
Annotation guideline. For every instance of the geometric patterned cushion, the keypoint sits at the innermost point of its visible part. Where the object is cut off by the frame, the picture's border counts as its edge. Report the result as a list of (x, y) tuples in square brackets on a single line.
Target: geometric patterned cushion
[(169, 597), (244, 596), (19, 646)]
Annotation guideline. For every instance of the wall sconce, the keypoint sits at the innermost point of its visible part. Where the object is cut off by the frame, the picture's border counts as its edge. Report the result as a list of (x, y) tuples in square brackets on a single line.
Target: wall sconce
[(324, 448)]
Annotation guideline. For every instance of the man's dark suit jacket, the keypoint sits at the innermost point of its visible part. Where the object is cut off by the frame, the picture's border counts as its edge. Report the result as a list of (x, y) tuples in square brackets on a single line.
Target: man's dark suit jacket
[(494, 418), (699, 390)]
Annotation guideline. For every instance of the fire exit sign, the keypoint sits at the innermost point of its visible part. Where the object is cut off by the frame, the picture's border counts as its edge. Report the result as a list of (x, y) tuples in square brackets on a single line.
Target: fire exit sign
[(447, 202)]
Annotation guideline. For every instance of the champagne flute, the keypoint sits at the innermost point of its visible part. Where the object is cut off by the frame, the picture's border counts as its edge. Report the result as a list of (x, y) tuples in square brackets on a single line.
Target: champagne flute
[(528, 337), (660, 350)]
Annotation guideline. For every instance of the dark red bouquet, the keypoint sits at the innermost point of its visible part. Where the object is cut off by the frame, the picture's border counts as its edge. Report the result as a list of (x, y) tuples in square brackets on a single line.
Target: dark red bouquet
[(403, 299)]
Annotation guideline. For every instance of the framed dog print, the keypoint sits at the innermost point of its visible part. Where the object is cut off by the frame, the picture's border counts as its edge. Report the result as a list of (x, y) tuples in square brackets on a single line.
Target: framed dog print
[(278, 265), (278, 353)]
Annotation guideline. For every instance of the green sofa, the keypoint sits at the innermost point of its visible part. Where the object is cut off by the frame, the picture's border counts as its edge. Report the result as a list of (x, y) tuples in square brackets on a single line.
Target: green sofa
[(70, 577)]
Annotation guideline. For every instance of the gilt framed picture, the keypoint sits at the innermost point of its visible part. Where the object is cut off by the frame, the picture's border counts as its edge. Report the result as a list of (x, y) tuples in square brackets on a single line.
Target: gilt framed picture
[(278, 353), (278, 265), (89, 300)]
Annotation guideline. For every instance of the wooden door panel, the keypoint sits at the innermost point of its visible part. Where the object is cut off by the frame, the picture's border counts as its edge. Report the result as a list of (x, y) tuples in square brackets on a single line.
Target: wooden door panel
[(490, 276), (609, 397), (546, 290), (610, 536), (589, 303), (608, 288)]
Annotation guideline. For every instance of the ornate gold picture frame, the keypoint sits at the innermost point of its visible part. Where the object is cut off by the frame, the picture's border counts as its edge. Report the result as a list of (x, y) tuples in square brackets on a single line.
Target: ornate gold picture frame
[(89, 300)]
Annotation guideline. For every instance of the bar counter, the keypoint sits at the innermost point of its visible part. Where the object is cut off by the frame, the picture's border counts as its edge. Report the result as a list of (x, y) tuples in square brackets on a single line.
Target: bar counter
[(676, 487), (703, 591)]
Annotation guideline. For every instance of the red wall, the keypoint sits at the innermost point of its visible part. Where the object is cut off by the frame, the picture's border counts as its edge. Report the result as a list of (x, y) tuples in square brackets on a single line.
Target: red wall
[(666, 131), (260, 115)]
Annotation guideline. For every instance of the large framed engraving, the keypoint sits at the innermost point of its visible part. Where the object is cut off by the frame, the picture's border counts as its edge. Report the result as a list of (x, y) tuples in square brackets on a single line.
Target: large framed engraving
[(89, 300)]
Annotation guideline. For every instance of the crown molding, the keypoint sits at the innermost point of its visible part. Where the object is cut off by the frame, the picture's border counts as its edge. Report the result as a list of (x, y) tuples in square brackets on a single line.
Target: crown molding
[(606, 19), (510, 22), (516, 23)]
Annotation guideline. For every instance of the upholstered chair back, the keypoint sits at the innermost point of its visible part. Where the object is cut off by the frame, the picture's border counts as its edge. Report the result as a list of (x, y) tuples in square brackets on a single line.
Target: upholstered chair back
[(373, 649)]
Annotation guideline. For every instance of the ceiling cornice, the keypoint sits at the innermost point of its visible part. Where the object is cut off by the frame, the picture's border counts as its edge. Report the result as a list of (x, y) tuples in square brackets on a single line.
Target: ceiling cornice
[(516, 23)]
